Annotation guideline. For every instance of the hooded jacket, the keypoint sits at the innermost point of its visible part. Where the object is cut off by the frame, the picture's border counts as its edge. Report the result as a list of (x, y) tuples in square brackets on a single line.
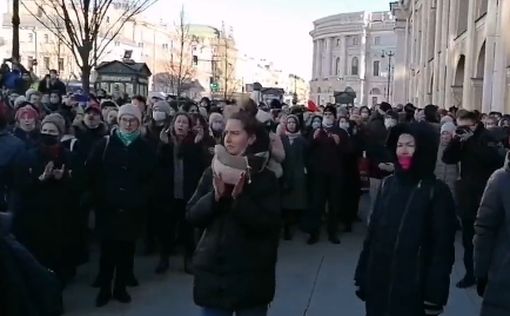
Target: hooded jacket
[(408, 254), (492, 241)]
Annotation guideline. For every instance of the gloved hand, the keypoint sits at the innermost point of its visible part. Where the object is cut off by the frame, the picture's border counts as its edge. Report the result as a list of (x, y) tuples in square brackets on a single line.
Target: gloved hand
[(432, 309), (481, 285)]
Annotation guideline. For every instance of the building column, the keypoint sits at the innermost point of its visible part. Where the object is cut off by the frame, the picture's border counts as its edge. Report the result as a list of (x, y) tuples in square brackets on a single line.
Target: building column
[(471, 57), (314, 60), (450, 58), (437, 55), (399, 74), (320, 59), (490, 74)]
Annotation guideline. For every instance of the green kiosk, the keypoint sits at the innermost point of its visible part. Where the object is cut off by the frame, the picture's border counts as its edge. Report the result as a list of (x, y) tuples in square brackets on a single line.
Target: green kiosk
[(123, 77)]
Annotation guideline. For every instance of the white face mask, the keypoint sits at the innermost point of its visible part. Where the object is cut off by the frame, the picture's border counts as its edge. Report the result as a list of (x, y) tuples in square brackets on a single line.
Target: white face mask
[(389, 123), (158, 116), (344, 125), (328, 121)]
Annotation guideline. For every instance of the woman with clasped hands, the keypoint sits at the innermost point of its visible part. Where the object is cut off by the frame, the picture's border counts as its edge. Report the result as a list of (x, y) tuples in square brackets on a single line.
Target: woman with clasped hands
[(234, 263)]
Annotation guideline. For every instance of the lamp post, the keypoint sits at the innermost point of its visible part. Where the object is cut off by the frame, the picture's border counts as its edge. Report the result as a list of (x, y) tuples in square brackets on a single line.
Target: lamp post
[(390, 54)]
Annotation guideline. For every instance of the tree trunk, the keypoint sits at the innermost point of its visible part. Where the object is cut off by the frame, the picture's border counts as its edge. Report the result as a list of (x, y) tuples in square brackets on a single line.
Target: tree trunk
[(85, 78), (15, 30)]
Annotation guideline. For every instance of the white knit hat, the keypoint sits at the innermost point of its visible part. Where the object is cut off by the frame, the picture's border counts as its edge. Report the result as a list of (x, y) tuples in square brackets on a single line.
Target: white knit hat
[(130, 109), (448, 127)]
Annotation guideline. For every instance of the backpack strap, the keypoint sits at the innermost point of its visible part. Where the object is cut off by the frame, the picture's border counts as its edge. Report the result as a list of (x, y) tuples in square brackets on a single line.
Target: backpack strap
[(107, 138), (72, 144)]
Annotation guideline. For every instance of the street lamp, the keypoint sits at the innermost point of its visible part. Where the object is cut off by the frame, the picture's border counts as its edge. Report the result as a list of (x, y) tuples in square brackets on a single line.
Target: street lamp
[(390, 54)]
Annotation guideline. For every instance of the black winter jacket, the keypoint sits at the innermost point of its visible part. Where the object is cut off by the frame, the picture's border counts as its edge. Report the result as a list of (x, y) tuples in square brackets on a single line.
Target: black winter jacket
[(492, 243), (234, 263), (408, 254), (121, 178), (479, 157)]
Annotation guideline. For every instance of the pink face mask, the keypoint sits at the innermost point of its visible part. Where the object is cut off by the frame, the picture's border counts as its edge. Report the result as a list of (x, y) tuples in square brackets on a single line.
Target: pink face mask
[(405, 162)]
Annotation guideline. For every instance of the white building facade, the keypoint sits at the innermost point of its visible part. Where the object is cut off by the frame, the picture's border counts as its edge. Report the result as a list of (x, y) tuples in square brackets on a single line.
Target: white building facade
[(355, 50), (453, 53)]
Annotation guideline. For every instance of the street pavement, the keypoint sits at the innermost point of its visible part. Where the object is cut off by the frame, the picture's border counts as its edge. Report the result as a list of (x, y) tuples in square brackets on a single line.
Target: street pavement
[(311, 281)]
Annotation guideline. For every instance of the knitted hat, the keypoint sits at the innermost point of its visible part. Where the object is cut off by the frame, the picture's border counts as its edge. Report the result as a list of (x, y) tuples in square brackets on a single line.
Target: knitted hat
[(27, 110), (57, 120), (162, 106), (215, 117), (448, 127), (130, 109), (29, 93), (19, 100), (93, 106)]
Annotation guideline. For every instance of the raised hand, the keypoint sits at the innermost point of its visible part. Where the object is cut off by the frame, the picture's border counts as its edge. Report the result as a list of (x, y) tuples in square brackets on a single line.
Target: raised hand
[(239, 187), (48, 171)]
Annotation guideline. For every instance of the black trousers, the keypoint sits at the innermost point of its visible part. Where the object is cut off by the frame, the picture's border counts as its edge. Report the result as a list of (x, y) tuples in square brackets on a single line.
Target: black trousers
[(175, 231), (468, 232), (325, 190), (116, 257)]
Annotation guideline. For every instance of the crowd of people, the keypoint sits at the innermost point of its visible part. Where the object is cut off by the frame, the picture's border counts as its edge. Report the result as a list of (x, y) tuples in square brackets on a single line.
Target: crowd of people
[(221, 183)]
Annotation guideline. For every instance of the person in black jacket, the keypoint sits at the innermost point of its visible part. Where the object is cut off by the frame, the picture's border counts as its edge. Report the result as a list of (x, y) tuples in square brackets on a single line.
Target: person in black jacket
[(181, 161), (478, 154), (234, 263), (121, 169), (43, 209), (328, 144), (51, 82), (407, 257)]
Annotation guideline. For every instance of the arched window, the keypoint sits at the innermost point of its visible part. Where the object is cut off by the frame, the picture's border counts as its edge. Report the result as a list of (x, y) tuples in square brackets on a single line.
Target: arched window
[(355, 66), (376, 69), (337, 66), (319, 90), (375, 91)]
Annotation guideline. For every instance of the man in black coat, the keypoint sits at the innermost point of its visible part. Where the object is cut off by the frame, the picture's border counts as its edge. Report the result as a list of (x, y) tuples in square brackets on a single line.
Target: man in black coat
[(121, 168), (479, 156), (51, 83)]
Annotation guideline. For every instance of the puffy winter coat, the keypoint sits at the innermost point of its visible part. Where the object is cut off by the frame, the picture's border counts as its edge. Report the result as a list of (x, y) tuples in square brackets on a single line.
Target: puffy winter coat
[(11, 149), (492, 243), (408, 254), (448, 173), (234, 262)]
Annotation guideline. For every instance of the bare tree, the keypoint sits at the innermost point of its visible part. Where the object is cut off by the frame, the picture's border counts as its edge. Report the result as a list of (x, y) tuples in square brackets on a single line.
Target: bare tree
[(226, 69), (180, 66), (86, 33)]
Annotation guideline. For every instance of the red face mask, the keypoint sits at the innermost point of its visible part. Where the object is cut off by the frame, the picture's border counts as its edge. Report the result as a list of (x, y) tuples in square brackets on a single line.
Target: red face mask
[(405, 162)]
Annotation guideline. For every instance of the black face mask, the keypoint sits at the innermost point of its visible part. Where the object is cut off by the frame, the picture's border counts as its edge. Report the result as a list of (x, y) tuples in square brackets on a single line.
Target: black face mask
[(48, 140)]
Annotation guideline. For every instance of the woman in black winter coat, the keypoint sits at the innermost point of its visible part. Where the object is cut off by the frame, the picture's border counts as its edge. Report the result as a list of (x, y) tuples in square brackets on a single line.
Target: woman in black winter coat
[(352, 186), (181, 161), (234, 264), (121, 169), (44, 211), (405, 265)]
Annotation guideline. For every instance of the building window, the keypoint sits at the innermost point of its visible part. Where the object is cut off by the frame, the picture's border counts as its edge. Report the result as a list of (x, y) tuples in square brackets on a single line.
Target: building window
[(61, 64), (337, 42), (374, 101), (481, 8), (355, 66), (46, 62), (165, 46), (107, 19), (337, 66), (30, 37), (377, 40), (462, 17), (46, 38), (140, 44), (355, 41), (376, 69)]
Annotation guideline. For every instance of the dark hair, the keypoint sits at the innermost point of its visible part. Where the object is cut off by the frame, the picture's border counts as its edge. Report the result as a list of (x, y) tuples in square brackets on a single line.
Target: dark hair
[(53, 71), (249, 106), (186, 115), (195, 117), (364, 107), (467, 115), (188, 105), (250, 124), (139, 98)]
